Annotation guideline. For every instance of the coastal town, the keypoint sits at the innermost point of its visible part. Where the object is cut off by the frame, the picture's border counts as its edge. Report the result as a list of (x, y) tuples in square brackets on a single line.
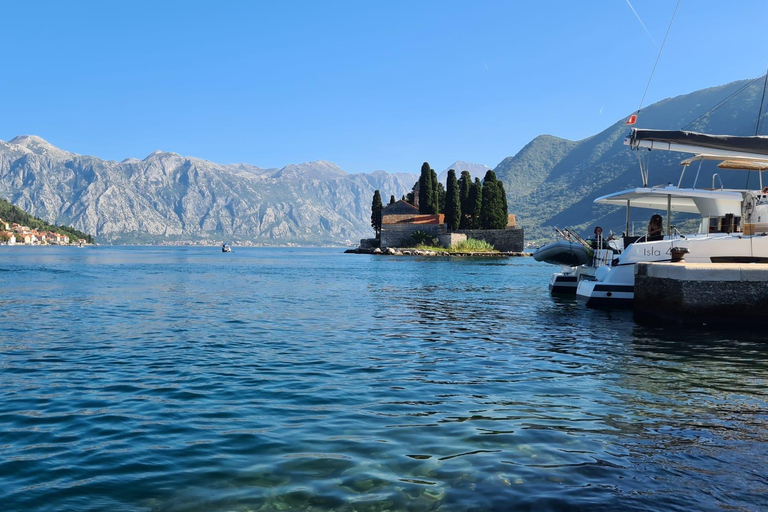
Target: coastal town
[(12, 233)]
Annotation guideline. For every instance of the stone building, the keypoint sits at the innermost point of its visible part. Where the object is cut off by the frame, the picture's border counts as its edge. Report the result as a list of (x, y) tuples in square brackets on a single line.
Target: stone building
[(400, 219)]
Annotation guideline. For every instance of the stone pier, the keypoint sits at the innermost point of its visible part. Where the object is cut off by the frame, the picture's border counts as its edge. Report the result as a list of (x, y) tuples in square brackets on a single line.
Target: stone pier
[(701, 292)]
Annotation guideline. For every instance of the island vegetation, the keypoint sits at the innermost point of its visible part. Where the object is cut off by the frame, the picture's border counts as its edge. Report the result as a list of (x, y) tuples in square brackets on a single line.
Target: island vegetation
[(466, 204), (420, 240)]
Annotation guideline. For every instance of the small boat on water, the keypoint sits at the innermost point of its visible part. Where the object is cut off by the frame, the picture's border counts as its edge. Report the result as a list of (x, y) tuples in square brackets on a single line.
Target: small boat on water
[(226, 248), (578, 258), (563, 252)]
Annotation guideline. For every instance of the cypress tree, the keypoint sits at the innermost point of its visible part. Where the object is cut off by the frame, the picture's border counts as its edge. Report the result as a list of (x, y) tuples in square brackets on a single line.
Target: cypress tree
[(504, 207), (392, 199), (475, 203), (489, 195), (376, 207), (438, 198), (465, 185), (493, 214), (452, 202), (426, 190)]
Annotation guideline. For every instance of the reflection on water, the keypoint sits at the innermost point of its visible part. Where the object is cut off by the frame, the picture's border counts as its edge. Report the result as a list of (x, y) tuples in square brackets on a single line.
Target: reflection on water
[(274, 379)]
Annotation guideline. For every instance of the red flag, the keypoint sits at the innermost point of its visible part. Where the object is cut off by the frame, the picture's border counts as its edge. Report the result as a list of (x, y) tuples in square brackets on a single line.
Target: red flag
[(632, 119)]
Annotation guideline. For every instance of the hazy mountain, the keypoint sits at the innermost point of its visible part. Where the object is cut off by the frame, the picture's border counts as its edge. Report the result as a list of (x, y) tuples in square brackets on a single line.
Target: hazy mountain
[(476, 170), (170, 197), (553, 182)]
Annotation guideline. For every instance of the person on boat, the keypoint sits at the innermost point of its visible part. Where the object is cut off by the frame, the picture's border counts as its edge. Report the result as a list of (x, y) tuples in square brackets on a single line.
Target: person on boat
[(655, 227), (599, 242)]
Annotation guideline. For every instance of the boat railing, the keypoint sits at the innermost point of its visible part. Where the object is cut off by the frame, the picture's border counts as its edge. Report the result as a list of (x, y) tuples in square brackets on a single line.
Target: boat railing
[(602, 258)]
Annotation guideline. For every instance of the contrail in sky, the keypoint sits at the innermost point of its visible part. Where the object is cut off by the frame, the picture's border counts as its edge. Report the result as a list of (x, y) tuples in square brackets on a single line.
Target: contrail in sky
[(641, 22)]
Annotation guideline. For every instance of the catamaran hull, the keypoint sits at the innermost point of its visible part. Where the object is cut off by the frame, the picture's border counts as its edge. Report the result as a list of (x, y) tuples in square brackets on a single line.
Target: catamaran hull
[(595, 294), (614, 286), (563, 284)]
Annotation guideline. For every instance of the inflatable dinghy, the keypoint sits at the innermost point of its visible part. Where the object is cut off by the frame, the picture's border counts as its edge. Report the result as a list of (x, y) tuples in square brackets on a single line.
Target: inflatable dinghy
[(570, 254)]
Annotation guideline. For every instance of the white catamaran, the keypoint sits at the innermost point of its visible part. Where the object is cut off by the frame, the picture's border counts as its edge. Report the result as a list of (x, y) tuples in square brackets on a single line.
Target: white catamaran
[(734, 225)]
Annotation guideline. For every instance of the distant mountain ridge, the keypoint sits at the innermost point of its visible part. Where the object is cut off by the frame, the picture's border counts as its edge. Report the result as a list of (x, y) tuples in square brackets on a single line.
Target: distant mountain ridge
[(167, 197), (475, 170)]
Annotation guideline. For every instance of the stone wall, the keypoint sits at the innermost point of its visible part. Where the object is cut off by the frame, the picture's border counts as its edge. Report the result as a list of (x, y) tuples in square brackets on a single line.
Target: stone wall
[(505, 240), (701, 292), (396, 235), (368, 243), (449, 239)]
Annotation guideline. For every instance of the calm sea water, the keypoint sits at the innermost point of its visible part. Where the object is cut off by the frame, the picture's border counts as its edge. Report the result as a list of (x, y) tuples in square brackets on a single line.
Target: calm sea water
[(184, 379)]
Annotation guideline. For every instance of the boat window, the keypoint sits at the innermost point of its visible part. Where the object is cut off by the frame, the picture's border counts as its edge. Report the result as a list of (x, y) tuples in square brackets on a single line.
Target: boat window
[(726, 224)]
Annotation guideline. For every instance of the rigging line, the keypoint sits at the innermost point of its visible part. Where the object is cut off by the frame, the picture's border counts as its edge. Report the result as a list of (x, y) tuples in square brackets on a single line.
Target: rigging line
[(760, 112), (658, 57), (726, 100)]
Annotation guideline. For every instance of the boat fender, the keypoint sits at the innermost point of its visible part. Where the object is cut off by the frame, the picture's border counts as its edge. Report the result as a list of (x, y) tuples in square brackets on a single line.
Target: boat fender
[(602, 272)]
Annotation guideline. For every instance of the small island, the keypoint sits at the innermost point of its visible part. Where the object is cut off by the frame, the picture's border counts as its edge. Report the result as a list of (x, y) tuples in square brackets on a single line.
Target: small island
[(465, 217)]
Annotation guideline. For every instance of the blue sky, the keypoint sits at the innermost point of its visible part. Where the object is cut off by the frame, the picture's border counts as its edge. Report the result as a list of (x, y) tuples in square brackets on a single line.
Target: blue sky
[(365, 84)]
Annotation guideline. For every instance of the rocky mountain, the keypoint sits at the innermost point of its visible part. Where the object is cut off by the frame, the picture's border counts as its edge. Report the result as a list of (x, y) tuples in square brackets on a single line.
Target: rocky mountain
[(169, 197), (553, 182), (476, 170), (166, 196)]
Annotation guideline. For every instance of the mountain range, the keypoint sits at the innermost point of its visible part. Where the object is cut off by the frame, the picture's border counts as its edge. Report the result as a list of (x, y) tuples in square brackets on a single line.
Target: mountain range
[(167, 197)]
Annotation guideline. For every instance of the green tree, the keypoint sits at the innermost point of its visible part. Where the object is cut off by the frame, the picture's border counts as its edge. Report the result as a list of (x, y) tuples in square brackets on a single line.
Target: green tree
[(452, 202), (493, 214), (475, 203), (392, 199), (504, 207), (438, 196), (376, 208), (408, 198), (465, 185), (426, 190)]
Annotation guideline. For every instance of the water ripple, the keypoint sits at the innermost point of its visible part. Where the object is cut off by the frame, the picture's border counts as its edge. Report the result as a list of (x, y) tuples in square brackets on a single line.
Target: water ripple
[(171, 379)]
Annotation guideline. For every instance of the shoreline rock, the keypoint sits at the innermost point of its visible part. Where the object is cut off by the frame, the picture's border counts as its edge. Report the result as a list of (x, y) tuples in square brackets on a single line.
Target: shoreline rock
[(393, 251)]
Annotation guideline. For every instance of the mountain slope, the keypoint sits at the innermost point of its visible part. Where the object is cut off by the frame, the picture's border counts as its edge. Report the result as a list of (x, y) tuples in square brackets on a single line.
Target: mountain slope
[(170, 197), (553, 182)]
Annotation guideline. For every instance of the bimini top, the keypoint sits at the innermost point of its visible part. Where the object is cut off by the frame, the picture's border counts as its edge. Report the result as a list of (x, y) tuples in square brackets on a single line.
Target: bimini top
[(692, 142), (707, 203)]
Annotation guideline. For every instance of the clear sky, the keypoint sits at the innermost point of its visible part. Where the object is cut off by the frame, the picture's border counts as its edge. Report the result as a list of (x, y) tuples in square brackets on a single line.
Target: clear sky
[(365, 84)]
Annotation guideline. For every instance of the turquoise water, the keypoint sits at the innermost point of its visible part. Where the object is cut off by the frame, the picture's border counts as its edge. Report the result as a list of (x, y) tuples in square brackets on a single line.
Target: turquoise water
[(184, 379)]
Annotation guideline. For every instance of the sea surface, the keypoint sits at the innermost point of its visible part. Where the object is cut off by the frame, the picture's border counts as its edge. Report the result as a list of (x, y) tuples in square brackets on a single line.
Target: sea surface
[(185, 379)]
